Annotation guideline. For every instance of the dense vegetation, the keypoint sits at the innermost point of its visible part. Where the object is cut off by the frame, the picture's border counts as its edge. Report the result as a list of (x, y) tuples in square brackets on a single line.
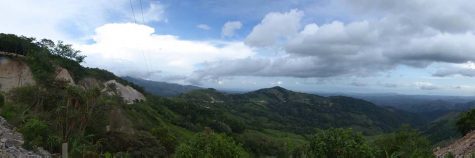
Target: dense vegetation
[(466, 122), (209, 145), (405, 142), (202, 123)]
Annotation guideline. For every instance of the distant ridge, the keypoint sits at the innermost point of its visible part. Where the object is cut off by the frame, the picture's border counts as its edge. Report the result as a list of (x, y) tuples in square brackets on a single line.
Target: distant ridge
[(299, 112), (162, 88)]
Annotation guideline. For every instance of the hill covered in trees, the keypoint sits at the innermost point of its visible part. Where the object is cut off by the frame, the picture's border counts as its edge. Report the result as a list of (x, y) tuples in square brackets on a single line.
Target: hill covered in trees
[(161, 88), (282, 109)]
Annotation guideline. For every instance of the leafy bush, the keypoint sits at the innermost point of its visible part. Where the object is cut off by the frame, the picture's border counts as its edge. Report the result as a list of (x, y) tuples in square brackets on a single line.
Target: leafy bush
[(35, 133), (466, 122), (17, 44), (165, 138), (405, 142), (220, 127), (140, 144), (339, 142), (263, 145), (210, 145)]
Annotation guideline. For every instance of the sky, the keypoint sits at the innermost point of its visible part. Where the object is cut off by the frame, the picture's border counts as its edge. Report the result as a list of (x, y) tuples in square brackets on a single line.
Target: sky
[(343, 46)]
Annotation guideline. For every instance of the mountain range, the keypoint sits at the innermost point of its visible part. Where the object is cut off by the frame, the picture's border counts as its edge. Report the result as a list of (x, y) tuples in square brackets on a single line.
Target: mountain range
[(161, 88)]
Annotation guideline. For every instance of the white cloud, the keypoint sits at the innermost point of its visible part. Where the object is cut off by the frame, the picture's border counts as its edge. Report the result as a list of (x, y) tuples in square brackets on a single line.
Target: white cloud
[(124, 48), (154, 13), (47, 19), (465, 69), (70, 20), (425, 86), (275, 26), (203, 27), (230, 27), (277, 83), (395, 37)]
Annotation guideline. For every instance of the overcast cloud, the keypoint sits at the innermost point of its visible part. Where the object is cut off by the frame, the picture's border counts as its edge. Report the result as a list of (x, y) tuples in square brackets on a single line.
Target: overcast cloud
[(412, 33)]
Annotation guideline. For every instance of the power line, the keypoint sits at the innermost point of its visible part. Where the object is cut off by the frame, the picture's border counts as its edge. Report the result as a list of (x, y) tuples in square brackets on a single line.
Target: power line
[(147, 63), (146, 55), (141, 10), (133, 12)]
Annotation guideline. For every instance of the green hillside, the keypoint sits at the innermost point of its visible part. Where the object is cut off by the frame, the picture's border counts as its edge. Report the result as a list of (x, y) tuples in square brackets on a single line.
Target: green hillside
[(281, 109)]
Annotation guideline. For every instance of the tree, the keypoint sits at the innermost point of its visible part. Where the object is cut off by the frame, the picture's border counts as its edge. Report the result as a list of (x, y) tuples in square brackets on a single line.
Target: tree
[(210, 145), (406, 142), (466, 122), (339, 143), (35, 132), (166, 138)]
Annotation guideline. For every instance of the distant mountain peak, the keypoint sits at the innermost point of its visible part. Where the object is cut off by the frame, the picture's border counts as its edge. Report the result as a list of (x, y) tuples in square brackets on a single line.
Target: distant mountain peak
[(278, 88), (274, 90)]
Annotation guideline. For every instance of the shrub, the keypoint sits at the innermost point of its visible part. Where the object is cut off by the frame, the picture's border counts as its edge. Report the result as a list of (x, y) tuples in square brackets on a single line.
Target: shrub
[(210, 145), (339, 142), (165, 138), (35, 133), (405, 142), (466, 122)]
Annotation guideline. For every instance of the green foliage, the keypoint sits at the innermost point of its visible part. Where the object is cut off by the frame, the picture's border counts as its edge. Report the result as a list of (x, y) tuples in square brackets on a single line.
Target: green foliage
[(405, 142), (140, 144), (339, 142), (449, 155), (83, 146), (166, 138), (35, 133), (105, 75), (236, 125), (466, 122), (12, 113), (281, 109), (220, 127), (17, 44), (210, 145), (28, 95), (44, 56), (443, 129), (270, 143), (65, 51), (41, 67)]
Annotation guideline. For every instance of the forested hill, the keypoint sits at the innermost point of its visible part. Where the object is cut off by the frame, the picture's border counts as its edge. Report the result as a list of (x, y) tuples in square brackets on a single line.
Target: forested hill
[(161, 88), (300, 112)]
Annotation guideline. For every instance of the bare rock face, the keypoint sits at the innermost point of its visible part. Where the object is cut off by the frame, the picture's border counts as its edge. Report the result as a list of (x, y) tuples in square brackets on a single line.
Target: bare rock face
[(63, 75), (129, 94), (118, 122), (463, 147), (14, 73), (90, 83), (11, 142)]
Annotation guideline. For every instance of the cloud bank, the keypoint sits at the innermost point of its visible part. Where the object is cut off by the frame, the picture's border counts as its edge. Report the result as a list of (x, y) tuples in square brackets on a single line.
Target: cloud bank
[(125, 48), (404, 33)]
